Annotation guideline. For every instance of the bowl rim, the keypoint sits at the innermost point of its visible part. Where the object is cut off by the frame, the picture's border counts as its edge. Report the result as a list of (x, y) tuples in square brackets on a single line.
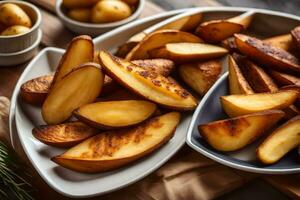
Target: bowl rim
[(36, 24), (62, 15), (34, 45)]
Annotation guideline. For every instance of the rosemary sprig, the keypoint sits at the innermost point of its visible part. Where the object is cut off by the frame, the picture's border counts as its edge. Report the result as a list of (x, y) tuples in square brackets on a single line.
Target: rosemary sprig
[(12, 185)]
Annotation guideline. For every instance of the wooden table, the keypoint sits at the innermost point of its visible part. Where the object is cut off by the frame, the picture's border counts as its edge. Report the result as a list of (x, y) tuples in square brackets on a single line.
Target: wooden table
[(53, 29)]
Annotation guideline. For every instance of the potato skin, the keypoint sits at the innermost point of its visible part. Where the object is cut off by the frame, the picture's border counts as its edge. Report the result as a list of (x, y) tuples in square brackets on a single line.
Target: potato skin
[(15, 30), (12, 14), (80, 14), (110, 11)]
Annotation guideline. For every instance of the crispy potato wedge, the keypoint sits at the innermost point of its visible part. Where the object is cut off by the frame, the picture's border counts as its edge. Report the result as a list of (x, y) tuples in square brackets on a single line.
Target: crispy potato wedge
[(235, 133), (115, 114), (150, 85), (237, 82), (81, 86), (257, 78), (266, 54), (80, 50), (159, 39), (296, 37), (230, 44), (64, 135), (36, 90), (188, 23), (217, 30), (280, 142), (297, 89), (284, 79), (284, 42), (187, 52), (160, 66), (200, 75), (125, 48), (97, 154), (237, 105)]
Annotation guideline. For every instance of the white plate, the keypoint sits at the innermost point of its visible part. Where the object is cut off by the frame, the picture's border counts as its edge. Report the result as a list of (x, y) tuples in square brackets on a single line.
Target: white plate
[(24, 117)]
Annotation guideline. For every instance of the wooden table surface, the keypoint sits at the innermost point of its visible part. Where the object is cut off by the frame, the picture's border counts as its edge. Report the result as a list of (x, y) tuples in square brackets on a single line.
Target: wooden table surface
[(53, 29)]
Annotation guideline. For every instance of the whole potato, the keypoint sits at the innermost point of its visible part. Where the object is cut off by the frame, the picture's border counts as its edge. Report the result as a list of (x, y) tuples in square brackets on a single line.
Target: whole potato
[(12, 14), (78, 3), (110, 11), (80, 14), (15, 30)]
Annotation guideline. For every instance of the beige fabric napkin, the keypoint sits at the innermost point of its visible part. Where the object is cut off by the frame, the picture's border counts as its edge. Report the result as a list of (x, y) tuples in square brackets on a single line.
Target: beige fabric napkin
[(188, 175)]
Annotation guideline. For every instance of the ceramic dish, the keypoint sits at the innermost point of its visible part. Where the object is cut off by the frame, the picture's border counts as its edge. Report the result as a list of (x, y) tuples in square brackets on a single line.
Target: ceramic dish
[(23, 117), (12, 59), (94, 29), (17, 43)]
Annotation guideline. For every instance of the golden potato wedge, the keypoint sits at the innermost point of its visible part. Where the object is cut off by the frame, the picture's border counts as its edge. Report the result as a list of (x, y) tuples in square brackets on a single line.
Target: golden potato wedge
[(160, 66), (229, 44), (284, 42), (159, 39), (150, 85), (237, 105), (187, 52), (97, 154), (125, 48), (235, 133), (78, 3), (188, 23), (115, 114), (257, 78), (81, 86), (64, 135), (11, 14), (80, 14), (80, 50), (296, 37), (237, 82), (266, 54), (284, 79), (217, 30), (200, 75), (297, 89), (280, 142), (36, 90)]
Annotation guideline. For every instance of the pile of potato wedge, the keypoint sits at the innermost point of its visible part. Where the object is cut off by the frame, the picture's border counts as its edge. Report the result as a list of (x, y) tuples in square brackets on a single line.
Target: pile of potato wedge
[(112, 109)]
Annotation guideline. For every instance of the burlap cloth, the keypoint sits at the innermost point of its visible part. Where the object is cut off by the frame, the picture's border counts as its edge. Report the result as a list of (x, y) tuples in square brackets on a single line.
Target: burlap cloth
[(188, 175)]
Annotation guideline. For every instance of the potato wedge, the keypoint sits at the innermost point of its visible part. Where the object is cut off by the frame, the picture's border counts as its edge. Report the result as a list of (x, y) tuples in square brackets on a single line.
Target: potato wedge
[(284, 42), (115, 114), (280, 142), (235, 133), (150, 85), (237, 82), (284, 79), (297, 89), (257, 78), (79, 51), (296, 37), (160, 66), (237, 105), (159, 39), (266, 54), (230, 44), (188, 23), (81, 86), (97, 154), (125, 48), (187, 52), (200, 75), (36, 90), (217, 30), (64, 135)]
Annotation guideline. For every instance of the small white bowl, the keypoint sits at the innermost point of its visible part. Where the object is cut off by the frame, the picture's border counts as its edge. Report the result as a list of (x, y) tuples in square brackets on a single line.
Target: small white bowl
[(91, 28), (10, 59), (17, 43)]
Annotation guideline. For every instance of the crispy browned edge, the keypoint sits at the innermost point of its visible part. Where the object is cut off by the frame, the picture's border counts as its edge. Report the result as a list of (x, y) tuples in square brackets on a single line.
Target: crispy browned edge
[(81, 37), (296, 37), (284, 79), (92, 123), (159, 65), (109, 164)]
